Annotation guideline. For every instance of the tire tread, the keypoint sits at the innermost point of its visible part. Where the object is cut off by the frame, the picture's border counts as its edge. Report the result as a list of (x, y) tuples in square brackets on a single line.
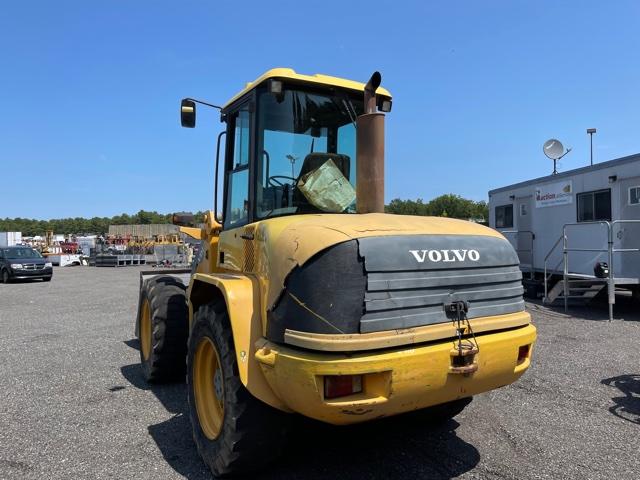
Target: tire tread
[(253, 433), (169, 330)]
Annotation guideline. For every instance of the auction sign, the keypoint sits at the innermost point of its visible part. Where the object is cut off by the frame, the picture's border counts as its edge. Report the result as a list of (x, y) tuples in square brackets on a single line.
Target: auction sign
[(553, 194)]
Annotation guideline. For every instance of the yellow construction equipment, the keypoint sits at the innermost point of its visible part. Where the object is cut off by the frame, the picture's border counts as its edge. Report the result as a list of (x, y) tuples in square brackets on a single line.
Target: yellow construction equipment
[(305, 297)]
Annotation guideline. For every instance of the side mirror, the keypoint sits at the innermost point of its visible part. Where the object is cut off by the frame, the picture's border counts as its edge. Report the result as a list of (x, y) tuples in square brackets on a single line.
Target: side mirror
[(183, 219), (188, 113)]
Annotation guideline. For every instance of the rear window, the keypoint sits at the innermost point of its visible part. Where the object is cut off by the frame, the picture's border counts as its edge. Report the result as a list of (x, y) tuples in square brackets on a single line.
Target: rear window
[(15, 253)]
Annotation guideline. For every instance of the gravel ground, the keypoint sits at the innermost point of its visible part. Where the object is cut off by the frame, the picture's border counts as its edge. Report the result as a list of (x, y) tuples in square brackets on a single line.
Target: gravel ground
[(73, 404)]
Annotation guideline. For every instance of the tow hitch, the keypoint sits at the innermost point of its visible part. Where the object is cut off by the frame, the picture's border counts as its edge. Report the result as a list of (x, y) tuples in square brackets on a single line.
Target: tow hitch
[(464, 352)]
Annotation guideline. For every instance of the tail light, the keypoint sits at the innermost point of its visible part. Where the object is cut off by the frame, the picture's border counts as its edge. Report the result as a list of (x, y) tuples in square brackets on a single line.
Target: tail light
[(341, 385)]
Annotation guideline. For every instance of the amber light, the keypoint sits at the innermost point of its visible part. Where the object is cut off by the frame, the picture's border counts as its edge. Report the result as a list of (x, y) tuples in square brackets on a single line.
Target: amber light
[(341, 385), (523, 353)]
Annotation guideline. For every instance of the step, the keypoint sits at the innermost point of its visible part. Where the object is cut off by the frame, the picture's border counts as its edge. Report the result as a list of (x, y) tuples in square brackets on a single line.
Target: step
[(588, 292)]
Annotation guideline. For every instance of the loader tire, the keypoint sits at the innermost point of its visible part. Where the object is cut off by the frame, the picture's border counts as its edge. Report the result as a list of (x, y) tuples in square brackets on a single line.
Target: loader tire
[(235, 433), (164, 328)]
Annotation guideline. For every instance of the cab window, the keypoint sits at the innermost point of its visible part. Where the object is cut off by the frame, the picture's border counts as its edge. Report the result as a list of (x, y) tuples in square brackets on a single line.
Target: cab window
[(307, 157)]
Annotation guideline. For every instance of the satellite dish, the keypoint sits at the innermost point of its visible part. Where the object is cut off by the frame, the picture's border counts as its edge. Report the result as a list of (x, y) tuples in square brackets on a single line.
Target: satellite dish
[(553, 149)]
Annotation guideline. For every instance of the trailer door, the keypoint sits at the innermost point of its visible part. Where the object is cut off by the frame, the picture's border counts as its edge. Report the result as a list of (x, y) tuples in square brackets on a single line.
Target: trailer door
[(628, 235), (525, 235)]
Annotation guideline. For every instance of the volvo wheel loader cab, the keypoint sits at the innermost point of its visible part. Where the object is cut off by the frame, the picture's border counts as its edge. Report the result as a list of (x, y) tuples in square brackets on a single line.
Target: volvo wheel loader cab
[(306, 298)]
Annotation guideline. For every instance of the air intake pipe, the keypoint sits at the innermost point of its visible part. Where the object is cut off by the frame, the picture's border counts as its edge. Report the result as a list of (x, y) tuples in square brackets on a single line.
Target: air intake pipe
[(370, 152)]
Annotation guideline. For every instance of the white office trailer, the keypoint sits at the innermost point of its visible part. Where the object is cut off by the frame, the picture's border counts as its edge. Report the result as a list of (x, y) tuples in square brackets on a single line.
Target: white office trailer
[(581, 226), (10, 239)]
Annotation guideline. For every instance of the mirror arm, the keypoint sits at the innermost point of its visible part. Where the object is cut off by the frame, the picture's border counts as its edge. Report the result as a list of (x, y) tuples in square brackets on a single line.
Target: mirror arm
[(204, 103), (215, 188)]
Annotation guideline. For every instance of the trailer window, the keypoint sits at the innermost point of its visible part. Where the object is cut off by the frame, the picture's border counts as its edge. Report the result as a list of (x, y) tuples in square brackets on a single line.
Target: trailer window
[(634, 195), (504, 216), (594, 206)]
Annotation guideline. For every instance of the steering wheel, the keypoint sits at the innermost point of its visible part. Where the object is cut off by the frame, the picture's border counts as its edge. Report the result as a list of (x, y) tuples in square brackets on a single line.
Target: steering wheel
[(276, 180)]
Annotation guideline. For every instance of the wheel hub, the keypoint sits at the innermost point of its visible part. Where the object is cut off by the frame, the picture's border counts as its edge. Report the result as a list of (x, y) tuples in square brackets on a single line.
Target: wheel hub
[(145, 330), (208, 388)]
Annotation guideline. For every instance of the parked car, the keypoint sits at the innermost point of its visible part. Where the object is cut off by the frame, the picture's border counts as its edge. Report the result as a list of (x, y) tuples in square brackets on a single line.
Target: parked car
[(23, 263)]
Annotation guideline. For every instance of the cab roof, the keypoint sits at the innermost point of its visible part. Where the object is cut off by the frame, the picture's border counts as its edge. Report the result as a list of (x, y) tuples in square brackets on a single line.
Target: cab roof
[(315, 79)]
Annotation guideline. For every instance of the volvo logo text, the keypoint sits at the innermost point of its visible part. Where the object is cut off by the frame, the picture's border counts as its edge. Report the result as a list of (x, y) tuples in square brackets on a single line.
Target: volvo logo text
[(445, 255)]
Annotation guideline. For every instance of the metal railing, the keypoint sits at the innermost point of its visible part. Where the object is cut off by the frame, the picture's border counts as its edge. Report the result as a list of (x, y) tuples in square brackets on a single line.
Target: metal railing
[(546, 259), (565, 257), (610, 250)]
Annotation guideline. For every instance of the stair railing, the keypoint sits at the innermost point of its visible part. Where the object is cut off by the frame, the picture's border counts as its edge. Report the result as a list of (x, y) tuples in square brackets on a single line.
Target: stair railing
[(546, 260), (612, 250), (609, 250)]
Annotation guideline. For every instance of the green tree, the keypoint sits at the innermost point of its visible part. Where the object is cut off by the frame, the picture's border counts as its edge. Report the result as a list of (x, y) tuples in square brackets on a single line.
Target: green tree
[(448, 205)]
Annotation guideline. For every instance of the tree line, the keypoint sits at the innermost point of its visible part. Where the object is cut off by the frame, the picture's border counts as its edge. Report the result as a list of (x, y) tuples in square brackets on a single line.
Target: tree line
[(78, 225), (448, 205)]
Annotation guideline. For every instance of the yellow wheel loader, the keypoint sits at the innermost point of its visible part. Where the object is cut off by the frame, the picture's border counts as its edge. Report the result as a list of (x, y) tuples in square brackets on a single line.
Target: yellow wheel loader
[(306, 298)]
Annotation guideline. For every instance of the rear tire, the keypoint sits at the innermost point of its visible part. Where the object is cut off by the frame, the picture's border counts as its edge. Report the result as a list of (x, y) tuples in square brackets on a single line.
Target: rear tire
[(164, 328), (235, 433)]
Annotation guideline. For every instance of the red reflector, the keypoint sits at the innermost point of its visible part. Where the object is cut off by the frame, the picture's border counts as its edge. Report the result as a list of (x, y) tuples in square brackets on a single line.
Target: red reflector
[(523, 353), (342, 385)]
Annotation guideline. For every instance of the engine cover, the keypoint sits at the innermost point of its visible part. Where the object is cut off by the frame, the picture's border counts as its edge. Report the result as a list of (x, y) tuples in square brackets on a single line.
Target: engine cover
[(392, 282)]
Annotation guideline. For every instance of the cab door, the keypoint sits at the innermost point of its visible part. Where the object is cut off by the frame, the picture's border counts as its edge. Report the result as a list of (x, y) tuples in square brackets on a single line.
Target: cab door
[(237, 191)]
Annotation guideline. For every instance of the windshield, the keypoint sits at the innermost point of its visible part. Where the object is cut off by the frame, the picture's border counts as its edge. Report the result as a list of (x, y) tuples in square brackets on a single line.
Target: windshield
[(308, 153), (16, 253)]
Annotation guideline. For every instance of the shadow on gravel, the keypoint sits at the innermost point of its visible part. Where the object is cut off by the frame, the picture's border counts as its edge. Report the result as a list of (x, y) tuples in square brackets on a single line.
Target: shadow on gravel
[(406, 446), (133, 343), (627, 407), (173, 436), (26, 280)]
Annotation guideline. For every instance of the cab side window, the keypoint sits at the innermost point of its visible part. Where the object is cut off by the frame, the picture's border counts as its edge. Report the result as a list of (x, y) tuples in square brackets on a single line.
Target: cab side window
[(237, 201)]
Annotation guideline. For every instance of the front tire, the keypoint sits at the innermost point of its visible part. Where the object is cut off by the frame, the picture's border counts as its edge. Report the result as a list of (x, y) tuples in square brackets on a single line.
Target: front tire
[(163, 329), (5, 276), (234, 432)]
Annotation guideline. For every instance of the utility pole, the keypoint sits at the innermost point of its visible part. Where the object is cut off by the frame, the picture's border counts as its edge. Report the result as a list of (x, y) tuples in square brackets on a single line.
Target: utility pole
[(591, 131)]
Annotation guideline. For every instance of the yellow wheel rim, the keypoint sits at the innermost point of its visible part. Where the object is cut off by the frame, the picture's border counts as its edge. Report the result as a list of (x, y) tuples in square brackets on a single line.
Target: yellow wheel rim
[(208, 388), (145, 329)]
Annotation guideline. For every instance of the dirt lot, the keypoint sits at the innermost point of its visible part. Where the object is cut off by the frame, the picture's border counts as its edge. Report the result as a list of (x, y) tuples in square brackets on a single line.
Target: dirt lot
[(73, 403)]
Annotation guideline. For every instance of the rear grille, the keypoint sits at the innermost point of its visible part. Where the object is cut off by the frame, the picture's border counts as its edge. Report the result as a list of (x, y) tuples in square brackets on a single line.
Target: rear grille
[(411, 278), (409, 299)]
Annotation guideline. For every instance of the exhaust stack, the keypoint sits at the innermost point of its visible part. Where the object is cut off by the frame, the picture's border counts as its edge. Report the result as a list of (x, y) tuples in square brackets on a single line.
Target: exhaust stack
[(370, 152)]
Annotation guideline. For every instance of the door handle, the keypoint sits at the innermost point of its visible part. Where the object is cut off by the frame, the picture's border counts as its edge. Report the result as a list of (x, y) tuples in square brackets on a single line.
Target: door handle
[(247, 236)]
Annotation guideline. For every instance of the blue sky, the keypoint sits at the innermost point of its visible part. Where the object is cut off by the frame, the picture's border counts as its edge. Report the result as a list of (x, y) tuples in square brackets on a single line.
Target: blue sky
[(90, 91)]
